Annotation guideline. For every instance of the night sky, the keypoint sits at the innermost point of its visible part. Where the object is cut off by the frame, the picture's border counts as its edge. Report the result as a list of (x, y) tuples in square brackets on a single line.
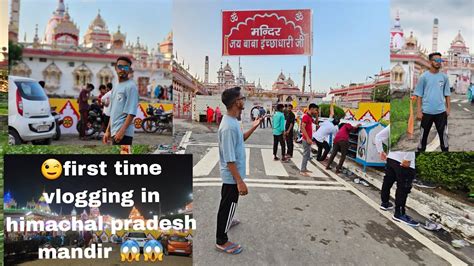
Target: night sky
[(24, 180)]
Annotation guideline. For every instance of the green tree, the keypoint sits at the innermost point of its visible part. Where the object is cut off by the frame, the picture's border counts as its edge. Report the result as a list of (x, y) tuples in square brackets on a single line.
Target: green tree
[(15, 52), (382, 93)]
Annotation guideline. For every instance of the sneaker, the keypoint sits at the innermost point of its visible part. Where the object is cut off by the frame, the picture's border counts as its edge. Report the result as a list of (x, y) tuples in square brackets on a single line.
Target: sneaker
[(386, 206), (406, 220), (364, 183), (432, 226), (276, 158), (423, 184)]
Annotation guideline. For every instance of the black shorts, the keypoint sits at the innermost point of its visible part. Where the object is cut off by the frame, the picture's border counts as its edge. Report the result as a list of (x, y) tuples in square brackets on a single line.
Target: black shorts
[(126, 140)]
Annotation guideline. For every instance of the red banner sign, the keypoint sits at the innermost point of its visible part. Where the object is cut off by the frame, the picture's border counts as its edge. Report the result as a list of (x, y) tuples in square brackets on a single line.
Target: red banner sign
[(267, 32)]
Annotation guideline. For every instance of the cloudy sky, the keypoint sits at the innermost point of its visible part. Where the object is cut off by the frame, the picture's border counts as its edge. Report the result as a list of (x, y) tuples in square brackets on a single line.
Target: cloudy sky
[(351, 40), (453, 15), (148, 19)]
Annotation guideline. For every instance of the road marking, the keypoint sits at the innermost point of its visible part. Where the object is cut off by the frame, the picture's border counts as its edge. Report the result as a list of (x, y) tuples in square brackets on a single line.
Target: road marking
[(436, 249), (283, 186), (464, 101), (213, 144), (459, 105), (255, 180), (184, 142), (298, 159), (455, 100), (207, 163), (265, 197), (272, 167), (247, 161), (467, 110)]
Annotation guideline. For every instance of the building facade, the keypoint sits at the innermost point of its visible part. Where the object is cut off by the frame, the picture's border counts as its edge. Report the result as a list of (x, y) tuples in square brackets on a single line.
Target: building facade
[(409, 60), (354, 93), (66, 63)]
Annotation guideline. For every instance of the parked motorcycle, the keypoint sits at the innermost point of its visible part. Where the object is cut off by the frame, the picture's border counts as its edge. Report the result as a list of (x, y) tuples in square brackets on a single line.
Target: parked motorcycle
[(157, 120), (94, 122), (59, 121)]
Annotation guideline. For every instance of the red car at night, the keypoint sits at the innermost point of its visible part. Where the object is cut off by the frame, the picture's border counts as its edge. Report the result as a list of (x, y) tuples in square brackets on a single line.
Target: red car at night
[(178, 245)]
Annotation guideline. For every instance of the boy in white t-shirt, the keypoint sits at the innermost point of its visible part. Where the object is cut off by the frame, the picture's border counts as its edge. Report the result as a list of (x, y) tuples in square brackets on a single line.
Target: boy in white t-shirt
[(400, 168), (106, 103)]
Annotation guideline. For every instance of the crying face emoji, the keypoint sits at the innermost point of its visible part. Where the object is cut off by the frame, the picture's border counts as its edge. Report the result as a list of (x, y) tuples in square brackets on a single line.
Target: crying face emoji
[(130, 251), (153, 251)]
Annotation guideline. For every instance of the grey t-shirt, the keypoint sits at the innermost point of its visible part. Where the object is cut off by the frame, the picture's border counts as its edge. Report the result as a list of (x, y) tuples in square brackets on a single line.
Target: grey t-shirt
[(433, 88), (123, 102)]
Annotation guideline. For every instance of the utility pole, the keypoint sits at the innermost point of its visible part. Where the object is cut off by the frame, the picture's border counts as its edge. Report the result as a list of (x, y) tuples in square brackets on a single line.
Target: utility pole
[(304, 78), (310, 84)]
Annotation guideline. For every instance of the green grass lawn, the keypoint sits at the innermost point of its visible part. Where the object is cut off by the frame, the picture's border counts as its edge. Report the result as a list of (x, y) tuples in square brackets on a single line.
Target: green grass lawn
[(65, 149), (3, 103), (399, 113), (68, 149)]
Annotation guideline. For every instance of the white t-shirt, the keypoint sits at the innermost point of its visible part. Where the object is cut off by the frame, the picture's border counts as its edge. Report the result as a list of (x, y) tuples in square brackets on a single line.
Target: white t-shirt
[(255, 113), (106, 100), (325, 129), (399, 156)]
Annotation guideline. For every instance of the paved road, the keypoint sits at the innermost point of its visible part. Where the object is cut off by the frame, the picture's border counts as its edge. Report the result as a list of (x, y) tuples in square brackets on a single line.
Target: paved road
[(460, 129), (139, 138), (288, 219), (114, 259)]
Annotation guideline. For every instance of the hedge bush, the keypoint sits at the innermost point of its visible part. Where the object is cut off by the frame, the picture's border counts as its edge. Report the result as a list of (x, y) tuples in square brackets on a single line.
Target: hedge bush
[(450, 170), (399, 113), (324, 111)]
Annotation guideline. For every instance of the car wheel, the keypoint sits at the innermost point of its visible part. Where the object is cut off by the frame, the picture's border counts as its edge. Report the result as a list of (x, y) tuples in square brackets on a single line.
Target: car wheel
[(13, 137)]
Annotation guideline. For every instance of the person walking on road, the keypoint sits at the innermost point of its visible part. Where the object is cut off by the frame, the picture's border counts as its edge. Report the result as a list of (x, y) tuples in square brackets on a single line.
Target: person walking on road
[(262, 115), (232, 165), (123, 105), (255, 113), (83, 102), (400, 168), (471, 94), (341, 144), (290, 122), (210, 115), (218, 115), (433, 103), (307, 131), (328, 127), (268, 117), (278, 133)]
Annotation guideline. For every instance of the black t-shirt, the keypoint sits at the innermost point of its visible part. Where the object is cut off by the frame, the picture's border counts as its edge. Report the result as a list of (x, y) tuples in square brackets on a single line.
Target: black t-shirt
[(290, 119)]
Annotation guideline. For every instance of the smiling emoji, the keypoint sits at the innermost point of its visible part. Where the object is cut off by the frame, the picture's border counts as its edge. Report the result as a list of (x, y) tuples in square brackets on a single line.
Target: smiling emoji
[(51, 169)]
